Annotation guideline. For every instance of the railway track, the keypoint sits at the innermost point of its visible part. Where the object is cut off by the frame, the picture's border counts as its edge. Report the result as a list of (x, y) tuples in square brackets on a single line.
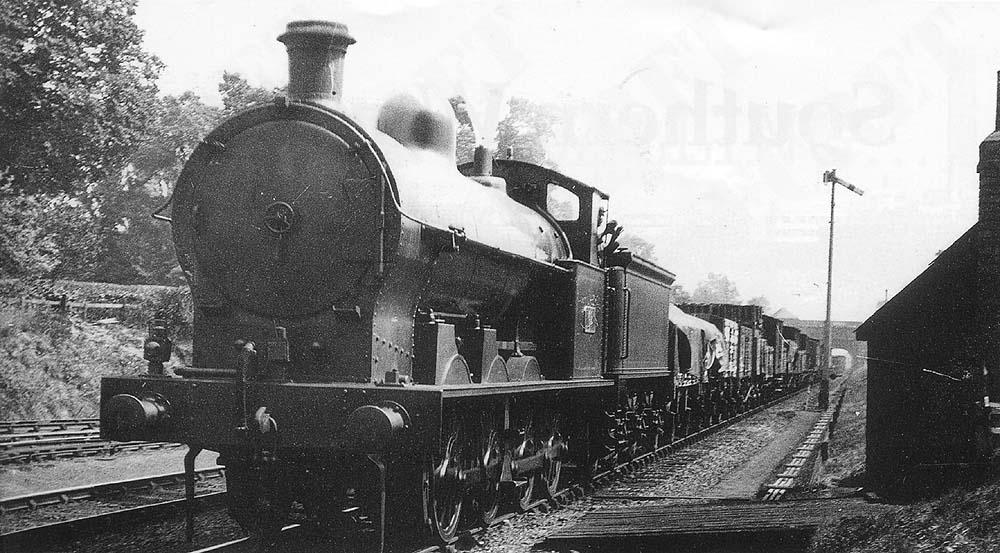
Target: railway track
[(34, 440), (11, 428), (102, 491), (40, 538), (681, 452), (689, 440), (289, 533)]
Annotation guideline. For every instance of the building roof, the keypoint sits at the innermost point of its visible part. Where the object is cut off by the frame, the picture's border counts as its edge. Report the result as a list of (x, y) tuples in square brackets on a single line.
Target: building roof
[(784, 314), (924, 292)]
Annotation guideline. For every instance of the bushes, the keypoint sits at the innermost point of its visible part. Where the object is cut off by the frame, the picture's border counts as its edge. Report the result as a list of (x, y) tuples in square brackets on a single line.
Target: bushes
[(51, 365), (174, 305), (51, 362), (170, 302)]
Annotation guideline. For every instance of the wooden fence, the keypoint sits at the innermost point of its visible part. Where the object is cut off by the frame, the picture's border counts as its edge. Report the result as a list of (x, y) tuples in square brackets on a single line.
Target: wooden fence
[(84, 306)]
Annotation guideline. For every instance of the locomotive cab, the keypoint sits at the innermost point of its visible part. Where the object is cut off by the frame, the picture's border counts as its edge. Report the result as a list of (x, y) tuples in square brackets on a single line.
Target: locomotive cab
[(578, 209)]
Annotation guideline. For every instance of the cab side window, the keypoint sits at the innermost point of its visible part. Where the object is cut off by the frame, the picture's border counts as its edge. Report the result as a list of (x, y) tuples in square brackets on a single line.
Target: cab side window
[(562, 204)]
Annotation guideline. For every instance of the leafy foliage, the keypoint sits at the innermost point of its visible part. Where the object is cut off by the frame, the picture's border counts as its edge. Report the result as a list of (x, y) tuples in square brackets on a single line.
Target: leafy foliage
[(717, 288), (77, 86), (762, 301), (173, 304), (47, 235), (80, 95), (681, 295), (465, 137), (135, 247), (106, 233), (51, 365), (178, 124), (25, 247), (639, 245), (79, 102), (526, 129), (238, 94)]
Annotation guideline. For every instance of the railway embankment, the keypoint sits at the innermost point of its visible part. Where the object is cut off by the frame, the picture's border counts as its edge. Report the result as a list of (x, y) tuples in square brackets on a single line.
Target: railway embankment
[(845, 464), (830, 461), (52, 362), (962, 520)]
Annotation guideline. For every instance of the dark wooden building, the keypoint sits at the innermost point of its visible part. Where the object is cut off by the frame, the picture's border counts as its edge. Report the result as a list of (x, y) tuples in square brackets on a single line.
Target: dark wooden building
[(934, 353)]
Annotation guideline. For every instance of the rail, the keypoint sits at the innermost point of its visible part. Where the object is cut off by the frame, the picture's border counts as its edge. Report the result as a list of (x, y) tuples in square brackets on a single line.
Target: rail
[(80, 493), (32, 440), (25, 426), (41, 538)]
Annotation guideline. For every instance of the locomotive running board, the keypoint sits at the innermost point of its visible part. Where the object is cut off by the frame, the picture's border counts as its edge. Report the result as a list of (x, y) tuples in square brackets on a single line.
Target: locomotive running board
[(510, 388)]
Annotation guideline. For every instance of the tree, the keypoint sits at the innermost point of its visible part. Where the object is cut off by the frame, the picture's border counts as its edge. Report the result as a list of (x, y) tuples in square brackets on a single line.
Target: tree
[(716, 289), (762, 301), (107, 233), (681, 295), (639, 245), (46, 235), (76, 89), (178, 125), (135, 247), (25, 248), (238, 94), (526, 129), (465, 143)]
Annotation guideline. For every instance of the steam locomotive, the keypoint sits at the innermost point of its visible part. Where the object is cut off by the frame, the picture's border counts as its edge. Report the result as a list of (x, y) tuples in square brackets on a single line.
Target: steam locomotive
[(389, 343)]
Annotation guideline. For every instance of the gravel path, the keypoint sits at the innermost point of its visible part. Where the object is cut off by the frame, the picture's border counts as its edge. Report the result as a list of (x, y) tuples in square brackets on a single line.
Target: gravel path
[(732, 463)]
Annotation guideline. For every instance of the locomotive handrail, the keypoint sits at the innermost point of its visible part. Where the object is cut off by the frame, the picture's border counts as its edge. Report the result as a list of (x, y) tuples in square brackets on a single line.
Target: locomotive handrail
[(494, 249), (156, 213)]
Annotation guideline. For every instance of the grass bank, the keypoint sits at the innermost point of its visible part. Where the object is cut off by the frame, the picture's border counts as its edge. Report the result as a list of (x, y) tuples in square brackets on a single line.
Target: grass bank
[(51, 363), (965, 520), (846, 465)]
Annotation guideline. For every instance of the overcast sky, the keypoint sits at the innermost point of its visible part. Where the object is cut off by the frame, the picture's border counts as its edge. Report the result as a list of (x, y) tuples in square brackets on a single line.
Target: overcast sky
[(710, 124)]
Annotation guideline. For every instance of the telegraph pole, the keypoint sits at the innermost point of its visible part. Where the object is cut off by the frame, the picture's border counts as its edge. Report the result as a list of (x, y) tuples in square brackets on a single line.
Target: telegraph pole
[(825, 367)]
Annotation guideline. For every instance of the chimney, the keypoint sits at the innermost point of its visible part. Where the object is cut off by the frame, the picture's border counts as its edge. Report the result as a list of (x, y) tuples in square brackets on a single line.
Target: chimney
[(316, 60), (988, 249), (997, 127)]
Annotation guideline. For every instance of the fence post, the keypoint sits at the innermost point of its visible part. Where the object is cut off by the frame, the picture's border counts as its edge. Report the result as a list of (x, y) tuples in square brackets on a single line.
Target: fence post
[(84, 310)]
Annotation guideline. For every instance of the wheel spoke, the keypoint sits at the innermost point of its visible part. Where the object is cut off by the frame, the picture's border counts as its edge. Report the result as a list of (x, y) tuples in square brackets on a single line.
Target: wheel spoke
[(490, 461), (444, 492), (552, 465), (525, 484)]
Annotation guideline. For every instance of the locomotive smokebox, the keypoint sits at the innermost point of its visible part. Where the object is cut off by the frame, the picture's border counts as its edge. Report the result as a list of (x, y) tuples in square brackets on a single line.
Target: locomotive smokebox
[(316, 52)]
